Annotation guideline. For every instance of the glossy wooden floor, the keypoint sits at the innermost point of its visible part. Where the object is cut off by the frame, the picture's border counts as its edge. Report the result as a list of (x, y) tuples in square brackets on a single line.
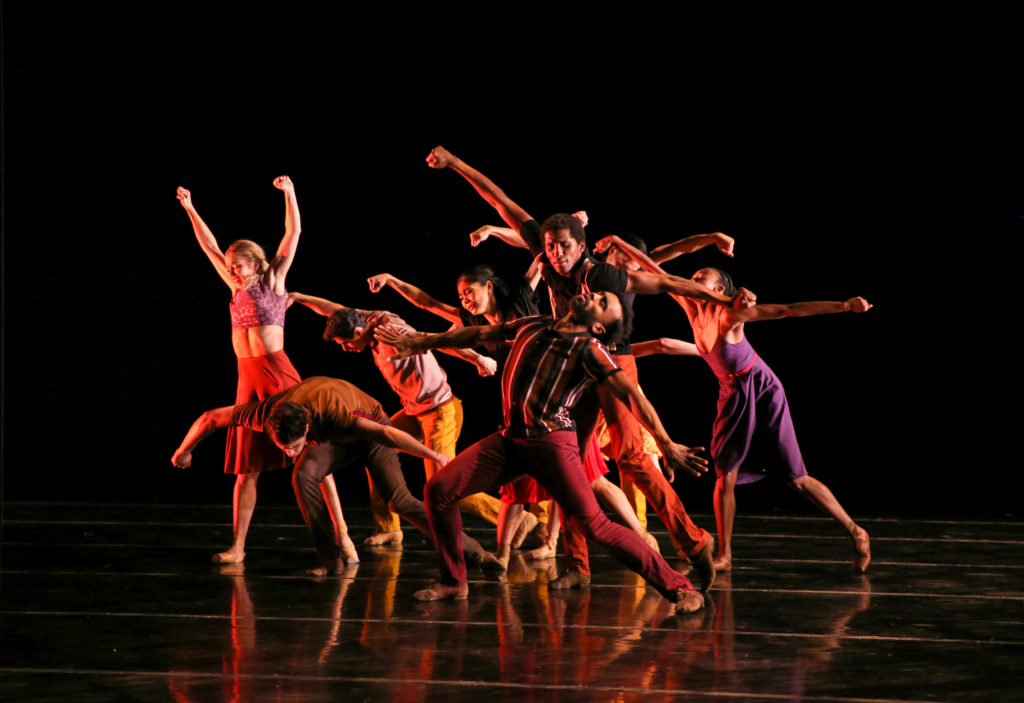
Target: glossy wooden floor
[(120, 602)]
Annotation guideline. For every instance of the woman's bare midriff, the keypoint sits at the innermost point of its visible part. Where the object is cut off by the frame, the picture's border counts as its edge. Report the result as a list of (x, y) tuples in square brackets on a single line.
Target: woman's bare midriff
[(257, 341)]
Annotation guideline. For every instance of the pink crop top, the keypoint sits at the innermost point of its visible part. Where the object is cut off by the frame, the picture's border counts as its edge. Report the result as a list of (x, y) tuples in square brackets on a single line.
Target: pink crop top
[(256, 306)]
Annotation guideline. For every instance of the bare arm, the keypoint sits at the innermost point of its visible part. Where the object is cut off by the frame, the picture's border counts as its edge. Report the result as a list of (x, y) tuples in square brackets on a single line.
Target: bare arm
[(416, 296), (292, 229), (320, 306), (505, 234), (677, 456), (664, 345), (485, 365), (407, 345), (771, 311), (397, 439), (510, 212), (205, 425), (688, 245), (207, 242), (646, 283)]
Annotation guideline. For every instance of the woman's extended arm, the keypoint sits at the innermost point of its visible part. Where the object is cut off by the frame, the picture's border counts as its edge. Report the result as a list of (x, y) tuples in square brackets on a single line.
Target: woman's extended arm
[(510, 212), (771, 311), (292, 229), (416, 296), (321, 306), (207, 242), (664, 345), (688, 245)]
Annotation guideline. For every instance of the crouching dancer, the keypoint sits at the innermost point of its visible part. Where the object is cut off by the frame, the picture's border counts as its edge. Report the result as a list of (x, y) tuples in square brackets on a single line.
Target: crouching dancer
[(328, 425), (550, 364)]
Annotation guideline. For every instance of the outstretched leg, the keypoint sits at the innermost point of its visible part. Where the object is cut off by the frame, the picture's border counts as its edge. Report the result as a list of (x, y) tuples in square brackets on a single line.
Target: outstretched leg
[(613, 498), (725, 513), (243, 504), (818, 493)]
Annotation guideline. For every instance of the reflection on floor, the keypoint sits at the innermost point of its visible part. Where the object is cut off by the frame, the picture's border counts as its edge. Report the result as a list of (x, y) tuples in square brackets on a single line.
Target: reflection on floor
[(120, 602)]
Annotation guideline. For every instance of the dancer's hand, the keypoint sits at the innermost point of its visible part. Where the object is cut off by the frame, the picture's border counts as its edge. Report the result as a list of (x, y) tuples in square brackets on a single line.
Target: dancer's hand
[(404, 344), (481, 235), (439, 157), (185, 197), (744, 299), (284, 183), (378, 282), (182, 459), (486, 366), (724, 242), (605, 243), (857, 304), (678, 456), (581, 215), (442, 459)]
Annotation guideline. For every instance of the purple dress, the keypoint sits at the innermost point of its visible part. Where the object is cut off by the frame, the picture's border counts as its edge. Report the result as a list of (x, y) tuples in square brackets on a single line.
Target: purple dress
[(753, 417)]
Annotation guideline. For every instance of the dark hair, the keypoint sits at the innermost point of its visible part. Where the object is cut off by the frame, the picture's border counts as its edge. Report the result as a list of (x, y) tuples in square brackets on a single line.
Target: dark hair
[(287, 422), (483, 275), (561, 220), (342, 324), (618, 331), (726, 280)]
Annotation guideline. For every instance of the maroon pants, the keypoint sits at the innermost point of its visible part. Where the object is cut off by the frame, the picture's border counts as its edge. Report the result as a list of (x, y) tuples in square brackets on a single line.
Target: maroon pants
[(554, 460), (632, 461)]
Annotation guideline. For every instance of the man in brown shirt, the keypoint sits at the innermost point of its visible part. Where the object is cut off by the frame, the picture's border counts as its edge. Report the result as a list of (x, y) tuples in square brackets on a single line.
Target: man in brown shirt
[(328, 425)]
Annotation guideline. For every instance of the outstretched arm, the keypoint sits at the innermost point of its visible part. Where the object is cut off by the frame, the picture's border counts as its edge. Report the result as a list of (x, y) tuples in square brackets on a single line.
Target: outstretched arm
[(688, 245), (415, 295), (292, 229), (664, 345), (207, 242), (407, 345), (771, 311), (205, 425), (510, 212), (397, 439), (320, 306), (505, 234), (677, 456)]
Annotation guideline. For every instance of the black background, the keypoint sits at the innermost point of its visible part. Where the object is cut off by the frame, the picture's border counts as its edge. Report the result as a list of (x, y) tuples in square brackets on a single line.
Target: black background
[(849, 153)]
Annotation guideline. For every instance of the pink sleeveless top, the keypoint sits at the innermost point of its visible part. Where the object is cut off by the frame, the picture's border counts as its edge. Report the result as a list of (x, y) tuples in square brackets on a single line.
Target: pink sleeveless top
[(256, 306)]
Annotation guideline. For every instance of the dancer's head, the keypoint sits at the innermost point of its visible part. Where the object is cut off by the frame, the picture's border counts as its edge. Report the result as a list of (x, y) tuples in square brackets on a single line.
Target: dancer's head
[(288, 426), (348, 328), (604, 314), (245, 259), (481, 292), (716, 280), (564, 242)]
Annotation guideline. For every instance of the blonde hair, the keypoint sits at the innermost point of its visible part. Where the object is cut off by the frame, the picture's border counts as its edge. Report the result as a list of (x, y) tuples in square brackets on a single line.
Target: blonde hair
[(250, 250)]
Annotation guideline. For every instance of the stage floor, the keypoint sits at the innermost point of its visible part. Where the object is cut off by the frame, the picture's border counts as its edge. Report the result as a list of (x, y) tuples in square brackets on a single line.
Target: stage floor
[(121, 602)]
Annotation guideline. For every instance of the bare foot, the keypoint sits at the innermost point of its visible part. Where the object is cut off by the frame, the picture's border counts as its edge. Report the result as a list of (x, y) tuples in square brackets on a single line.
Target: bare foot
[(652, 542), (688, 601), (231, 556), (570, 579), (525, 527), (705, 565), (438, 591), (380, 538), (348, 549), (723, 562), (492, 565), (861, 549), (544, 551)]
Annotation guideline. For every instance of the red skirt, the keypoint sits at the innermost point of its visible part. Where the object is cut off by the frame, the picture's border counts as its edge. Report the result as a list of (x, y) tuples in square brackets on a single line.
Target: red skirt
[(258, 377), (525, 489)]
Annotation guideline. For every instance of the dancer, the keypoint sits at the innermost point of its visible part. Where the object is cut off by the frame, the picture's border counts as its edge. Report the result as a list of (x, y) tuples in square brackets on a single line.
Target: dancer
[(430, 411), (257, 336), (329, 425), (569, 270), (550, 364), (753, 414)]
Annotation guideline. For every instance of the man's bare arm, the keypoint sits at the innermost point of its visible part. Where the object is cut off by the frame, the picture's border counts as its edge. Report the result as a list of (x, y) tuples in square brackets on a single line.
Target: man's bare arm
[(510, 212)]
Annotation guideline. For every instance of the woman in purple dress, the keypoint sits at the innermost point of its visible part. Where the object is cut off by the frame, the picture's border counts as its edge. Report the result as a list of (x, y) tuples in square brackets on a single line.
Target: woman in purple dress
[(753, 416)]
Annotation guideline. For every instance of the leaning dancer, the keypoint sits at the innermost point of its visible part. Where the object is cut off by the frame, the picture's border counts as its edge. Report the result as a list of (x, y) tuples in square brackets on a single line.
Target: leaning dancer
[(753, 415), (257, 307), (329, 425), (551, 363)]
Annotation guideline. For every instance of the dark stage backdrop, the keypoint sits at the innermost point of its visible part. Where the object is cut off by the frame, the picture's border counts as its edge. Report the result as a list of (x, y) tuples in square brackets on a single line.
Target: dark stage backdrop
[(848, 155)]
